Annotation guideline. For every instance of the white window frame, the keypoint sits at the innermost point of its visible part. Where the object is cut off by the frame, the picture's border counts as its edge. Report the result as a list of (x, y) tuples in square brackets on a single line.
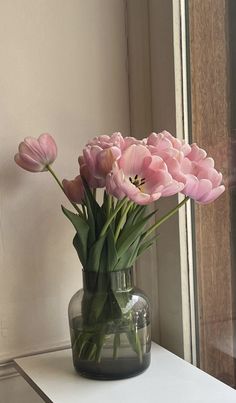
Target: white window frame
[(167, 276)]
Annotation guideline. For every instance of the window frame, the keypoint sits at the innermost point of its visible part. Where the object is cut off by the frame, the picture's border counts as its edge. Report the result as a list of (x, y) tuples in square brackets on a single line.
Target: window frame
[(162, 79)]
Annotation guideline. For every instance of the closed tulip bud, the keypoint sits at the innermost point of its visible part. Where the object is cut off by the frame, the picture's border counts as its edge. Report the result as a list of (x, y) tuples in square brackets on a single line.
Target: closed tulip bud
[(36, 154), (74, 189)]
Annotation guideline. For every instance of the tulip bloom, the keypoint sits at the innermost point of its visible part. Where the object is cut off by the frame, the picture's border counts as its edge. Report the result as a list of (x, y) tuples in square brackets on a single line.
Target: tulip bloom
[(115, 140), (189, 165), (74, 189), (87, 174), (36, 154), (141, 177), (98, 158), (100, 154), (203, 181), (99, 161), (165, 145), (105, 141)]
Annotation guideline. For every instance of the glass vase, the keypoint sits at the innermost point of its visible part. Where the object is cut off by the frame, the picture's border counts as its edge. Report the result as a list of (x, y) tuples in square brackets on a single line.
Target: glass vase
[(110, 326)]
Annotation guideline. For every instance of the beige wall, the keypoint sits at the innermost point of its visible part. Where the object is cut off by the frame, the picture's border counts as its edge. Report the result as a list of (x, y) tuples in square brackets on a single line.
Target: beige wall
[(62, 70)]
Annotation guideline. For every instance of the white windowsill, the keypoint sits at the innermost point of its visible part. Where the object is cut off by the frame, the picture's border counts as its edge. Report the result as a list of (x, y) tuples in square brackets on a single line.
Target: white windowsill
[(169, 379)]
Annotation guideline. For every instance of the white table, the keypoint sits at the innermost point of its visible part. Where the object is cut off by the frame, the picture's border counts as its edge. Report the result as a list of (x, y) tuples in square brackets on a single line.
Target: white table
[(169, 379)]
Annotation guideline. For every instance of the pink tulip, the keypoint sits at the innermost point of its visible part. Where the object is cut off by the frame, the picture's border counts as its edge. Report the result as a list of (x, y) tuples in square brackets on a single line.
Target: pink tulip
[(115, 140), (197, 172), (203, 181), (98, 158), (189, 165), (141, 176), (88, 176), (100, 161), (105, 141), (36, 154), (111, 186), (128, 141), (171, 150), (100, 154), (165, 145), (196, 154), (74, 189)]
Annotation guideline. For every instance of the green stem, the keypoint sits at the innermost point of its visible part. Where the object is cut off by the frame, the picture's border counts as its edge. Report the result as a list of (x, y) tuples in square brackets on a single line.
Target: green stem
[(112, 216), (116, 345), (94, 193), (112, 203), (109, 199), (121, 222), (61, 186), (84, 211), (165, 218)]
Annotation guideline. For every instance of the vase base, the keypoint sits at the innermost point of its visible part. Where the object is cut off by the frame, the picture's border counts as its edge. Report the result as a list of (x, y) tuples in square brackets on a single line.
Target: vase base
[(109, 369)]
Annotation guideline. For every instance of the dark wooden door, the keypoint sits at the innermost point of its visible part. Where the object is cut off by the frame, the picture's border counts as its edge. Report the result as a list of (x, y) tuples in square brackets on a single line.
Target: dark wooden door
[(210, 83)]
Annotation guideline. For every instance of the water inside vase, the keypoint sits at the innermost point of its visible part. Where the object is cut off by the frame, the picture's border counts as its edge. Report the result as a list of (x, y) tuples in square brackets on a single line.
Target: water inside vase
[(112, 350)]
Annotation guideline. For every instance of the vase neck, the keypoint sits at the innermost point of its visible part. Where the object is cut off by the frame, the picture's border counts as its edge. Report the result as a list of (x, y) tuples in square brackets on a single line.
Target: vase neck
[(99, 282)]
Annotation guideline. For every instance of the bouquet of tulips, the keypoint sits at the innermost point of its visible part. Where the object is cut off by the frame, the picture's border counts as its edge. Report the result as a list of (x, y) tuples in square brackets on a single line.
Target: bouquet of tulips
[(133, 173)]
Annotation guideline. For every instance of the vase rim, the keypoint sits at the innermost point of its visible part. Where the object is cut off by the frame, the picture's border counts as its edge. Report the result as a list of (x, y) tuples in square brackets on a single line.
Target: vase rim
[(108, 271), (110, 280)]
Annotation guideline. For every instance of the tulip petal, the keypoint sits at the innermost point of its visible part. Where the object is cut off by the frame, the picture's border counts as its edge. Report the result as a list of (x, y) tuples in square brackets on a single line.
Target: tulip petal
[(27, 163), (172, 188), (33, 145), (196, 153), (105, 160), (153, 164), (157, 181), (124, 184), (112, 188), (211, 174), (191, 186), (74, 189), (213, 195), (32, 151), (132, 159), (35, 157), (48, 146), (144, 198)]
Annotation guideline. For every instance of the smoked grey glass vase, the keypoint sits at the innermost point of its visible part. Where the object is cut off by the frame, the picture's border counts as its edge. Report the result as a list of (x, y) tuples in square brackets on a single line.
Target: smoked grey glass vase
[(110, 326)]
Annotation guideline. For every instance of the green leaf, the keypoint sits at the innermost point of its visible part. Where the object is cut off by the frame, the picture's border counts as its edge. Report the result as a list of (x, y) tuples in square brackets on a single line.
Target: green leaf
[(132, 217), (94, 254), (105, 203), (145, 245), (93, 306), (139, 214), (80, 249), (96, 213), (134, 252), (103, 257), (134, 340), (82, 230), (112, 257), (127, 259), (134, 214), (108, 256), (112, 216), (129, 236), (117, 218), (91, 222)]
